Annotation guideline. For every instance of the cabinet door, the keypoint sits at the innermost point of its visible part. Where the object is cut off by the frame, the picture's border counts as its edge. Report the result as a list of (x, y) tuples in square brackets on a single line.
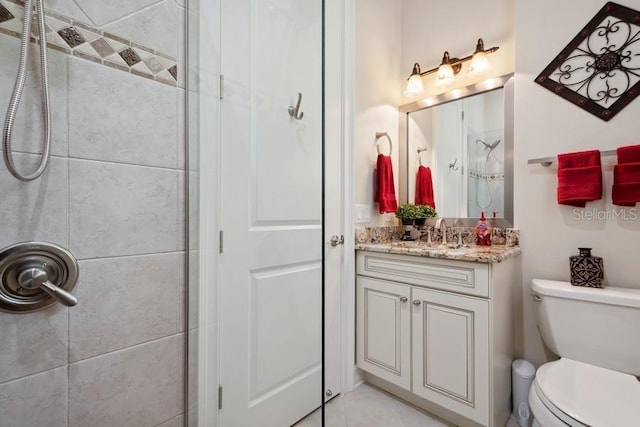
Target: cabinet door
[(450, 352), (383, 330)]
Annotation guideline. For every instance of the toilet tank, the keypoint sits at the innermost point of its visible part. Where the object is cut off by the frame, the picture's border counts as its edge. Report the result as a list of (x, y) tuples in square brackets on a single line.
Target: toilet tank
[(596, 326)]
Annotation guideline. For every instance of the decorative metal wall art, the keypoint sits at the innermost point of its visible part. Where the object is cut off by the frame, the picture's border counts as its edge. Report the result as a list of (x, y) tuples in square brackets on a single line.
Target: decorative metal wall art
[(599, 71)]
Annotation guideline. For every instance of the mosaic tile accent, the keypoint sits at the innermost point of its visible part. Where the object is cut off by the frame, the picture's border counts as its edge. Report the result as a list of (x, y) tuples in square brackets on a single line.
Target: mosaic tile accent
[(154, 65), (130, 56), (84, 41), (486, 176), (5, 15), (103, 48), (174, 71), (71, 36)]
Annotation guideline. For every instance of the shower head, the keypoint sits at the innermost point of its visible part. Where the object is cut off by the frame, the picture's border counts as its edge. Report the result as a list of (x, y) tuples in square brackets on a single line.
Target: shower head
[(491, 146)]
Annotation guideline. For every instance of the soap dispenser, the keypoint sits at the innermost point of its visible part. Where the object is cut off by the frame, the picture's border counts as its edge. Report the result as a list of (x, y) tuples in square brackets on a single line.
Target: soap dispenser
[(493, 220), (483, 232)]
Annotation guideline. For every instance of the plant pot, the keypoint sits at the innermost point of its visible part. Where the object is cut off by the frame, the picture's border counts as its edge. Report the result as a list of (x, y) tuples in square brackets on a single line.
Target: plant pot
[(420, 221), (407, 224)]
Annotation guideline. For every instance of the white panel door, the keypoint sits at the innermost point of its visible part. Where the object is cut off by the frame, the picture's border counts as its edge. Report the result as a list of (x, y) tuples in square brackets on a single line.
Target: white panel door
[(383, 336), (271, 216), (450, 352)]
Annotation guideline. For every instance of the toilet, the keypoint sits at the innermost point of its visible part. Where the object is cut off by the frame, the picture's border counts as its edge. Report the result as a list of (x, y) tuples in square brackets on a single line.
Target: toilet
[(596, 333)]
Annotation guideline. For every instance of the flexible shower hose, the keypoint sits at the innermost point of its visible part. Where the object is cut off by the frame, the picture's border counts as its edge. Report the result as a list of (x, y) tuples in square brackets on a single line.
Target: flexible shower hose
[(18, 89)]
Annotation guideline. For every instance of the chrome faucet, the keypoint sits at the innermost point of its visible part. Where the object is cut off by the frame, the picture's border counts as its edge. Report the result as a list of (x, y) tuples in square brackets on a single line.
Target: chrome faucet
[(442, 226)]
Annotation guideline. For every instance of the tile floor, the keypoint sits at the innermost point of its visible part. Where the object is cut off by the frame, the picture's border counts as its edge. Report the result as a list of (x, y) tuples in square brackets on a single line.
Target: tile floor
[(369, 406)]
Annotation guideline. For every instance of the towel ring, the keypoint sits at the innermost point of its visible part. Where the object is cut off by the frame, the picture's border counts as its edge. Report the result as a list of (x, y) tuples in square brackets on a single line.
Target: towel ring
[(420, 150), (380, 135)]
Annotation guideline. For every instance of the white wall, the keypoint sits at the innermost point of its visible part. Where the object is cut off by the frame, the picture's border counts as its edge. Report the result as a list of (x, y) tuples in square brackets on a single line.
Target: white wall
[(429, 28), (545, 125), (378, 89)]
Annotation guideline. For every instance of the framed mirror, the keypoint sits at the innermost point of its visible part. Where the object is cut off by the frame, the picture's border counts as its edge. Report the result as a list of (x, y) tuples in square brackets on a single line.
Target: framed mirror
[(465, 138)]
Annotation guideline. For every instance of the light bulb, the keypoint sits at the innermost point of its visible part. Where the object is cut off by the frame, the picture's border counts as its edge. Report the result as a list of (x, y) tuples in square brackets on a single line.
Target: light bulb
[(445, 74), (414, 88), (480, 63)]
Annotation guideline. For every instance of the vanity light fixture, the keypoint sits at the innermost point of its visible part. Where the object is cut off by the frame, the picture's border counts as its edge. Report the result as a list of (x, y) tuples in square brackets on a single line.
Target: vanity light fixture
[(449, 69), (414, 87), (479, 61)]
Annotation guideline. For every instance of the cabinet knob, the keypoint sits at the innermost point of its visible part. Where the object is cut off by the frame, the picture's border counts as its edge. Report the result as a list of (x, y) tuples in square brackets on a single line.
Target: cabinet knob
[(404, 299), (417, 302)]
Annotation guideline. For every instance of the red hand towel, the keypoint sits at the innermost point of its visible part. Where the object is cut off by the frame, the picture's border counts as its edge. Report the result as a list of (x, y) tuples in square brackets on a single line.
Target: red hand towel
[(629, 154), (385, 194), (628, 173), (424, 187), (579, 178), (579, 159), (626, 177), (626, 194)]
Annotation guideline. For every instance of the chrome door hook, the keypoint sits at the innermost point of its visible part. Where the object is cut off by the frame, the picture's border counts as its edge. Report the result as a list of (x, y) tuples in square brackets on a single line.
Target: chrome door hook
[(295, 111)]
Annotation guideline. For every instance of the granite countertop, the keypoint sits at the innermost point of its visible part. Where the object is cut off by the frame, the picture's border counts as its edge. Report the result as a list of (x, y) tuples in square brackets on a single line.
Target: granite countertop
[(473, 253)]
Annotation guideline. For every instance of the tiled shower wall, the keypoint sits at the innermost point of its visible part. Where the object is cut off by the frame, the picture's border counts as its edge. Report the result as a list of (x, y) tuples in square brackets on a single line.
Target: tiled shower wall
[(113, 195)]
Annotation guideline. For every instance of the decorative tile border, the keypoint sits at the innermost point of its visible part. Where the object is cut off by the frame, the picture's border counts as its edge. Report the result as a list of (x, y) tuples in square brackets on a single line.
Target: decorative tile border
[(485, 176), (83, 41), (5, 15)]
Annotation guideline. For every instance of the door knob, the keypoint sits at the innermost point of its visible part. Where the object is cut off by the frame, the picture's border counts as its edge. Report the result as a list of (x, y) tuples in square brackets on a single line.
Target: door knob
[(417, 302), (38, 278), (336, 240), (404, 299)]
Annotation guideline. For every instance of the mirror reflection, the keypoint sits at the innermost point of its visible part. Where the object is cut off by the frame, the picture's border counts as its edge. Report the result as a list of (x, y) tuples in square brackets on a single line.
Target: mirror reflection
[(465, 147)]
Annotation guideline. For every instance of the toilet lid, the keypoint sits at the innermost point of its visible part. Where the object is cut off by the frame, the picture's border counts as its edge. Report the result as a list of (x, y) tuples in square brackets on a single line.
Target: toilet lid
[(589, 394)]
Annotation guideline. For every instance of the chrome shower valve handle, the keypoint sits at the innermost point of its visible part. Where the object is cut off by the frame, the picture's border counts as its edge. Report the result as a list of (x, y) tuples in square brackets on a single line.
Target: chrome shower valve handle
[(36, 275), (38, 278)]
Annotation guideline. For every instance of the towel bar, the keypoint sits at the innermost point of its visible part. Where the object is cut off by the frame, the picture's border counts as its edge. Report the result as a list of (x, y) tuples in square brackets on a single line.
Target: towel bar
[(547, 161)]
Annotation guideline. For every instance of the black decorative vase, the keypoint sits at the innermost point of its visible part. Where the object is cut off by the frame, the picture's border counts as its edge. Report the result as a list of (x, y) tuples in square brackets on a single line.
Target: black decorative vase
[(586, 270), (407, 224)]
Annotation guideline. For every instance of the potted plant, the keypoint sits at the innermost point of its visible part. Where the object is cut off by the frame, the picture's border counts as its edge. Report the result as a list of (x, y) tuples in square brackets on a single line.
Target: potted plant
[(425, 211), (408, 213)]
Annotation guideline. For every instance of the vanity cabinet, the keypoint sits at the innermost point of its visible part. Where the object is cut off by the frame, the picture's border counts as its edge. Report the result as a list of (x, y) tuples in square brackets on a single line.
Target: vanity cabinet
[(384, 330), (438, 333)]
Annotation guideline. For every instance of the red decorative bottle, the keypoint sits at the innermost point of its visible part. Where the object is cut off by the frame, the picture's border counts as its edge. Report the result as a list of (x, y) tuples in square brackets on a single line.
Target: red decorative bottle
[(483, 232)]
